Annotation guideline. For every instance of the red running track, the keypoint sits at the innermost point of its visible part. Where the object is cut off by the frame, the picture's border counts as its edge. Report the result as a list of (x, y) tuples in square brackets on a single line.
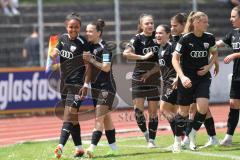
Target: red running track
[(17, 130)]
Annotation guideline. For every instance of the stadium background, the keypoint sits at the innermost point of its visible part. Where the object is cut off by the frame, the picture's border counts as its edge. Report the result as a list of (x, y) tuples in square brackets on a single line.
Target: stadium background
[(14, 73)]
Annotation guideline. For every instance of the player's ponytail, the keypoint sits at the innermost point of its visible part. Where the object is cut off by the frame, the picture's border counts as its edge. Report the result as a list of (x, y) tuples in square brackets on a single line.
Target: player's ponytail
[(100, 24), (194, 15), (189, 24)]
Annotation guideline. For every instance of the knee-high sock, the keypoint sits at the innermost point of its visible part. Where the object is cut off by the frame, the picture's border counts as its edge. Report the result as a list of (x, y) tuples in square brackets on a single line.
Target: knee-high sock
[(110, 134), (198, 120), (96, 136), (140, 118), (232, 122), (172, 125), (76, 135), (210, 126), (152, 127), (180, 123), (65, 132)]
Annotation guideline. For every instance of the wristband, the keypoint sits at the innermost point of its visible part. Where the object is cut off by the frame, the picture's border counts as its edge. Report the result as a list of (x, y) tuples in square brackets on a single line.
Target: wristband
[(87, 85), (142, 57)]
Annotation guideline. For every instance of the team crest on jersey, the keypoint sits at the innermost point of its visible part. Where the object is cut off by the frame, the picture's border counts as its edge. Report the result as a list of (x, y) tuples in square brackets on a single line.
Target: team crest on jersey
[(73, 48), (206, 45), (104, 94), (95, 51)]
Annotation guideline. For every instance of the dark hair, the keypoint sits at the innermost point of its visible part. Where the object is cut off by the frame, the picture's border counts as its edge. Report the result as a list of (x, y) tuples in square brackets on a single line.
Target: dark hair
[(237, 8), (139, 29), (166, 28), (100, 24), (75, 16), (181, 18)]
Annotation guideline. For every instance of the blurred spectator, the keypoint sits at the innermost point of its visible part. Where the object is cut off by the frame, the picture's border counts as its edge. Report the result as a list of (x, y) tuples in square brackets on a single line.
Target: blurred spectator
[(9, 7), (30, 50), (234, 3)]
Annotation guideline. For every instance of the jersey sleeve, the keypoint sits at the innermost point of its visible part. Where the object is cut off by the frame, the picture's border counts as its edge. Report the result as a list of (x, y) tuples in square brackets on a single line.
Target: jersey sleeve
[(212, 44), (228, 39), (106, 56), (181, 47), (60, 43), (133, 43), (85, 45)]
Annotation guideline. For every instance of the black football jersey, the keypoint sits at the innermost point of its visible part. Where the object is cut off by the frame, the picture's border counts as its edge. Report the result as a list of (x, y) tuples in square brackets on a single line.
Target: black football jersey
[(101, 54), (165, 61), (233, 40), (71, 61), (194, 52), (141, 45)]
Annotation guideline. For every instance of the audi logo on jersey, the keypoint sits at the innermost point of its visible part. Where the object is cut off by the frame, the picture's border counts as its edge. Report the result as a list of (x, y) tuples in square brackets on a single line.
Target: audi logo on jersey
[(150, 49), (161, 62), (66, 54), (199, 54), (236, 45)]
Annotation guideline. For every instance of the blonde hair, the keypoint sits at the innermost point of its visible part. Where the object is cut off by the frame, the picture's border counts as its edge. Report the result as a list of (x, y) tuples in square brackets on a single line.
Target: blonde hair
[(140, 20), (194, 15)]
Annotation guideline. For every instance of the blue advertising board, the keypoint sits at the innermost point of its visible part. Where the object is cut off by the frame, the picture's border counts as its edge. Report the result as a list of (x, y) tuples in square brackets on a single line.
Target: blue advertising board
[(26, 89)]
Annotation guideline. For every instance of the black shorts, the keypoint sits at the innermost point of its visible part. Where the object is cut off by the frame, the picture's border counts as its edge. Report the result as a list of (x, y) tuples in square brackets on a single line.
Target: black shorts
[(151, 93), (235, 90), (70, 93), (148, 90), (170, 95), (104, 94), (200, 89)]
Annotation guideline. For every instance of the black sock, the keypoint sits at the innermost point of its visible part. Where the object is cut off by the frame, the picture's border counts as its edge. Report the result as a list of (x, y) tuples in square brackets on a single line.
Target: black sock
[(152, 127), (141, 121), (232, 122), (96, 136), (188, 127), (65, 132), (198, 120), (110, 134), (180, 123), (76, 135), (172, 125), (210, 127)]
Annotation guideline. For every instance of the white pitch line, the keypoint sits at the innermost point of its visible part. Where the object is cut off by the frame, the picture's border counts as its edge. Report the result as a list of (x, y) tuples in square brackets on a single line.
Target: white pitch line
[(190, 152), (214, 155)]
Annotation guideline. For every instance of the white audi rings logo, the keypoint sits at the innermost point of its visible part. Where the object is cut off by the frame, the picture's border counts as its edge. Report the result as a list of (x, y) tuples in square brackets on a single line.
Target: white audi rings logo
[(236, 45), (198, 54), (161, 62), (66, 54), (150, 49)]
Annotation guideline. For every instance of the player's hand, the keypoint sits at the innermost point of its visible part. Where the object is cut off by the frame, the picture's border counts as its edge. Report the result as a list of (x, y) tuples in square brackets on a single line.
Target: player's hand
[(145, 76), (83, 93), (203, 70), (228, 59), (216, 69), (146, 56), (87, 56), (186, 82)]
